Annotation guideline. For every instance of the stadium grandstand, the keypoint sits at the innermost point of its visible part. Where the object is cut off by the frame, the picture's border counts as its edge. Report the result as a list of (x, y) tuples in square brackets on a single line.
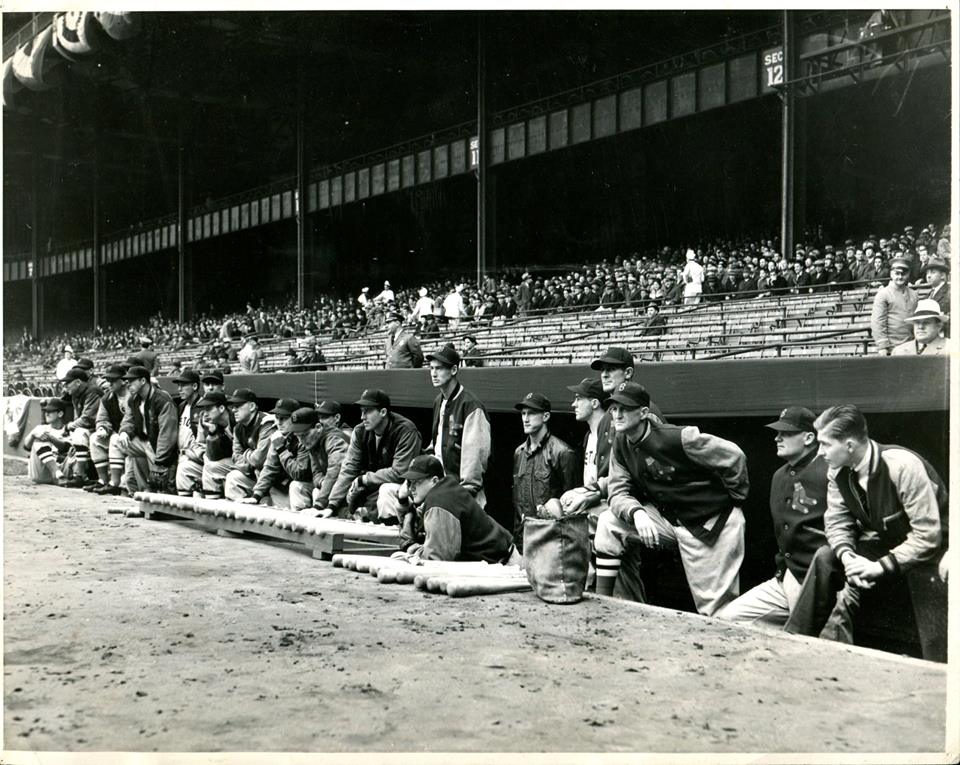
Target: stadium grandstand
[(747, 212)]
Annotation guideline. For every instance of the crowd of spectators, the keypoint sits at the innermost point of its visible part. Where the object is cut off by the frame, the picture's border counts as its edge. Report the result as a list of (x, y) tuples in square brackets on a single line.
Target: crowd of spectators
[(728, 270)]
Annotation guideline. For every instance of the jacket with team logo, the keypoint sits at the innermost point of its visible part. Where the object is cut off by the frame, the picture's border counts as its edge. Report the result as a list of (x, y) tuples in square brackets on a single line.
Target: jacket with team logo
[(798, 499)]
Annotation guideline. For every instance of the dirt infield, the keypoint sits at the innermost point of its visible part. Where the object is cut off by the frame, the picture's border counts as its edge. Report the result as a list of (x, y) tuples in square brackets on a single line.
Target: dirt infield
[(126, 634)]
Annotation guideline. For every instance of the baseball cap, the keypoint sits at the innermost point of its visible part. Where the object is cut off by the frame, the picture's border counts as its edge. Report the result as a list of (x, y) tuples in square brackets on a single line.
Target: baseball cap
[(76, 374), (424, 466), (447, 356), (536, 401), (242, 396), (216, 376), (53, 405), (325, 408), (213, 398), (303, 419), (589, 387), (616, 356), (85, 364), (285, 406), (374, 397), (137, 372), (114, 372), (186, 377), (144, 340), (795, 419), (630, 394)]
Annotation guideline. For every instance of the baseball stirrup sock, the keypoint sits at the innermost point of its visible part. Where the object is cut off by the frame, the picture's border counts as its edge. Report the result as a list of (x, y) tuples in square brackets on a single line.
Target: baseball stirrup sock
[(607, 571)]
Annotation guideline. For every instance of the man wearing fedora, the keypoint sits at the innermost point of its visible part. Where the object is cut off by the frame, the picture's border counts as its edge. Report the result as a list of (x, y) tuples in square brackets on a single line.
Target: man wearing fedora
[(892, 305), (798, 499), (85, 398), (402, 346), (928, 340), (935, 273), (148, 433), (673, 487), (251, 442), (380, 450), (47, 443), (106, 455)]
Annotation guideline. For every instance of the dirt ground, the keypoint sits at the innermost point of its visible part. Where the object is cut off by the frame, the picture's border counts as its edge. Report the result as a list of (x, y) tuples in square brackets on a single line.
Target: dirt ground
[(127, 634)]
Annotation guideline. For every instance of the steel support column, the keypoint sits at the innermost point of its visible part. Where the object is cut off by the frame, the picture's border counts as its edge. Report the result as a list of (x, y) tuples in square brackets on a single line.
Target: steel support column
[(97, 286), (183, 264), (787, 213), (36, 301), (301, 197), (481, 149)]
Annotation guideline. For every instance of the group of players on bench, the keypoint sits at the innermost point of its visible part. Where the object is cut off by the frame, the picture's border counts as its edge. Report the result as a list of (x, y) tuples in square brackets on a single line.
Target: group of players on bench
[(849, 514)]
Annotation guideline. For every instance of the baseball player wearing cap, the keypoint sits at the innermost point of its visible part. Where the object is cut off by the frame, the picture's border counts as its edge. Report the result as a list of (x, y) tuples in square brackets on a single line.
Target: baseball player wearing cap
[(798, 498), (320, 452), (85, 397), (448, 524), (217, 443), (251, 442), (107, 458), (148, 433), (189, 433), (47, 443), (380, 450), (402, 346), (673, 487), (886, 518), (285, 462), (928, 340), (544, 466), (892, 305)]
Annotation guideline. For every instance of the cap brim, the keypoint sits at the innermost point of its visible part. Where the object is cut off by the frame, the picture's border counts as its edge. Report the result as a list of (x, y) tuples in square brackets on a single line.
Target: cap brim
[(300, 427), (785, 427), (527, 405), (597, 363), (416, 475)]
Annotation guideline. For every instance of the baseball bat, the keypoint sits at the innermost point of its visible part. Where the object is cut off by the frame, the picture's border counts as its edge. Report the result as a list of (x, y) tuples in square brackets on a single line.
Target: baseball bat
[(464, 587)]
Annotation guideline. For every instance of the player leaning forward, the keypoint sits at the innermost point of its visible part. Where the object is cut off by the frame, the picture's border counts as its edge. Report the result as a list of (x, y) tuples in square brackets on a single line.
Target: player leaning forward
[(673, 486)]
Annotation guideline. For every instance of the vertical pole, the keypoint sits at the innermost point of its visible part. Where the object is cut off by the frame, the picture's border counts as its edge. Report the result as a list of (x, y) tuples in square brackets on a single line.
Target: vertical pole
[(182, 310), (97, 293), (301, 194), (481, 150), (36, 284), (787, 213)]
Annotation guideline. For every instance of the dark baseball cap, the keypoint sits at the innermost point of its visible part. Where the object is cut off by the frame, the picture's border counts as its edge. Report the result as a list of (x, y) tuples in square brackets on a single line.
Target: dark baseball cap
[(447, 356), (374, 397), (213, 398), (76, 374), (424, 466), (86, 364), (325, 408), (136, 372), (630, 394), (114, 372), (536, 401), (303, 419), (589, 387), (615, 356), (795, 419), (285, 406), (53, 405), (242, 396), (216, 376), (187, 377)]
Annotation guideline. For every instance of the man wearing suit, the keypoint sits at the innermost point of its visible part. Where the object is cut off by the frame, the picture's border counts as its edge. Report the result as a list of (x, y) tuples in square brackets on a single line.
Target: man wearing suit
[(936, 272), (402, 348)]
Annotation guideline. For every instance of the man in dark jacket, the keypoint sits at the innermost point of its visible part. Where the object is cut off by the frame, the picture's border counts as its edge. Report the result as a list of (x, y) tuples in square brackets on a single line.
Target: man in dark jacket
[(107, 458), (448, 523), (380, 450), (402, 346), (251, 442), (798, 499), (324, 446), (286, 461), (189, 433), (85, 397), (217, 443), (148, 434)]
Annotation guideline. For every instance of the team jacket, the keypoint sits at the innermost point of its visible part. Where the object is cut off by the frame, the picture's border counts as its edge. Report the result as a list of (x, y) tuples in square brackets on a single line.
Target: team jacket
[(905, 509), (798, 500), (217, 445), (466, 437), (86, 403), (287, 461), (689, 477), (605, 436), (251, 442), (159, 427), (381, 464), (327, 447), (455, 527), (549, 471), (110, 412)]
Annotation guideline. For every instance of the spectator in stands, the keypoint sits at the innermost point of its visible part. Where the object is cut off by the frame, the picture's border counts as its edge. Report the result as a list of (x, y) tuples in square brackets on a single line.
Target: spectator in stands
[(104, 451), (447, 523), (878, 272), (692, 279), (935, 275), (65, 364), (544, 466), (656, 324), (943, 243), (251, 442), (885, 521), (47, 444), (386, 295), (891, 307), (424, 306), (402, 347), (673, 486), (928, 339), (148, 433), (380, 450), (147, 357), (363, 298), (798, 498), (85, 397), (471, 356), (217, 443), (282, 464), (250, 356)]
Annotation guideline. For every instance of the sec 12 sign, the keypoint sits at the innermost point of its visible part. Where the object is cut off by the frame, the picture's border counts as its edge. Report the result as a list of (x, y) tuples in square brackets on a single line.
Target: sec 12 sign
[(772, 61)]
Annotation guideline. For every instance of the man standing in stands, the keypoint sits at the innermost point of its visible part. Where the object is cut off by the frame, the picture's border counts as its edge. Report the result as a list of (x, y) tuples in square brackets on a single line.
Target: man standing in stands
[(886, 520), (380, 450), (402, 348), (251, 442), (692, 279), (65, 364), (544, 466), (85, 397), (892, 305), (656, 324), (147, 357), (935, 273), (798, 499), (46, 442), (673, 487), (471, 353), (928, 339), (148, 433), (250, 356), (453, 308), (106, 455)]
